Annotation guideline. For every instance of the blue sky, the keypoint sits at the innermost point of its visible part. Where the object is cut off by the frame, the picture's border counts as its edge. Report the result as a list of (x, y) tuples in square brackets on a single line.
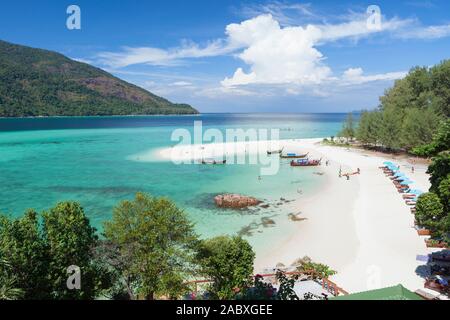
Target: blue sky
[(243, 56)]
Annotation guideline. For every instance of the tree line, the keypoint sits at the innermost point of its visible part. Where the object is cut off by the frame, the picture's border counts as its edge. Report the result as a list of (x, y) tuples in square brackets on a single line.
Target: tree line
[(433, 208), (148, 250), (409, 113)]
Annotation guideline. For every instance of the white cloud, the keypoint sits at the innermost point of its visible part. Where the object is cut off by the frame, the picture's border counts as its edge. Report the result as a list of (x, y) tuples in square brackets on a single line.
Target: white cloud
[(430, 32), (356, 76), (181, 84), (260, 28), (161, 57), (290, 55), (276, 53), (358, 28), (287, 14)]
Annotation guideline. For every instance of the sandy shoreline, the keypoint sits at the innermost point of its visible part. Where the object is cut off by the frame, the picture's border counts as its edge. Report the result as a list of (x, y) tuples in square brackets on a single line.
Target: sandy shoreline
[(360, 228)]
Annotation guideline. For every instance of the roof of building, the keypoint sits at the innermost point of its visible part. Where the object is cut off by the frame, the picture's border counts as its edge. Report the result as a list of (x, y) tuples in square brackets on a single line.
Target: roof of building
[(392, 293)]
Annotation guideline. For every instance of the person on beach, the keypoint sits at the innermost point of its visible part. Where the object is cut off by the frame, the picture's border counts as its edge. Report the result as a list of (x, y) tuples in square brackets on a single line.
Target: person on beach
[(340, 172), (412, 169), (358, 171)]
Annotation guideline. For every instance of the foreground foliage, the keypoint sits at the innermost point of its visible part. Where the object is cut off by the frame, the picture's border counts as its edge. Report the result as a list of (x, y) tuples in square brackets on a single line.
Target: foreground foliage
[(8, 283), (149, 251), (153, 242), (228, 261), (40, 251), (433, 209)]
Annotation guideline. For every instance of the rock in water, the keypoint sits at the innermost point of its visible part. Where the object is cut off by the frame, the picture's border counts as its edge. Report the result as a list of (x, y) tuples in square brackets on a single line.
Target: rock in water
[(235, 201)]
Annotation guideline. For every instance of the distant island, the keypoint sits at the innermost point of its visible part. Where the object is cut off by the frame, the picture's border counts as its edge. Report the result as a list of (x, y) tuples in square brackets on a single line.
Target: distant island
[(39, 83)]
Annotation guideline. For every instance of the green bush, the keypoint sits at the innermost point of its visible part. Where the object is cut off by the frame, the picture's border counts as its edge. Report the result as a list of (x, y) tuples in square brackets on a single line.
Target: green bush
[(430, 212)]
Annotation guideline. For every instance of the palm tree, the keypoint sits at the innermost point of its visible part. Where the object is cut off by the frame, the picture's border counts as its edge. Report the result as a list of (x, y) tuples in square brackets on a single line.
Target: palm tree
[(8, 283)]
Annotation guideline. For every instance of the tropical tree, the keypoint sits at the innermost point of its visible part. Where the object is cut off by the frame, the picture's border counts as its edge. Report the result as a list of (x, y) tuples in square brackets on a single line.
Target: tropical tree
[(154, 244), (348, 129), (444, 193), (446, 228), (362, 132), (418, 127), (320, 270), (409, 112), (391, 128), (440, 142), (439, 169), (440, 84), (22, 245), (70, 240), (228, 262), (8, 283), (430, 212)]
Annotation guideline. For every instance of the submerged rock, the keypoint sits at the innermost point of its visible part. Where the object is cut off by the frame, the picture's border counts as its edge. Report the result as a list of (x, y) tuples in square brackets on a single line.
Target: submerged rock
[(266, 222), (296, 217), (235, 201)]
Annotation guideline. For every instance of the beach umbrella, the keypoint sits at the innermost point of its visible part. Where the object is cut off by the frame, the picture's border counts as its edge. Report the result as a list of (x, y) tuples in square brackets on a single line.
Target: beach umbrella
[(388, 163), (403, 178), (416, 192), (407, 182), (399, 174), (393, 167)]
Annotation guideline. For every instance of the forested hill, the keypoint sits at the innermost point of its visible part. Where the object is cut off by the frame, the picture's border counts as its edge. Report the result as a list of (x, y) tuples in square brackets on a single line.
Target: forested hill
[(35, 82)]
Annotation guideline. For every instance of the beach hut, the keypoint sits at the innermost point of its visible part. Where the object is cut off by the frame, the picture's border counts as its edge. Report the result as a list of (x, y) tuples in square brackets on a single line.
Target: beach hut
[(392, 293)]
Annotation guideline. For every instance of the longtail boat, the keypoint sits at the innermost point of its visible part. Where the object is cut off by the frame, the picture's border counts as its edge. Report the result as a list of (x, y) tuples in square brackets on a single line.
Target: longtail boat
[(275, 152), (293, 156), (213, 162), (306, 163)]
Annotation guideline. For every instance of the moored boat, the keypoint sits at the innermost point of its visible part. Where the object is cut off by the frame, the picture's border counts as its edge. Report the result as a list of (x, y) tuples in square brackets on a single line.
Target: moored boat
[(275, 152), (293, 156), (213, 162), (306, 163)]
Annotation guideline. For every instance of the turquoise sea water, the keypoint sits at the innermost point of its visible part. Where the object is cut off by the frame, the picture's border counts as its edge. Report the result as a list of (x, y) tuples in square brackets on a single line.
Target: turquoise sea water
[(43, 161)]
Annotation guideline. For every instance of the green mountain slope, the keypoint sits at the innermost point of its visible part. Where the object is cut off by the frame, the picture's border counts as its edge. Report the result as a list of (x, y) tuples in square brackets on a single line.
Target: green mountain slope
[(35, 82)]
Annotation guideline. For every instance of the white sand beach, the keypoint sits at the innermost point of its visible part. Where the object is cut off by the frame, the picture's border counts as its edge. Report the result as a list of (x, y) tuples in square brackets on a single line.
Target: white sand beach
[(360, 227)]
